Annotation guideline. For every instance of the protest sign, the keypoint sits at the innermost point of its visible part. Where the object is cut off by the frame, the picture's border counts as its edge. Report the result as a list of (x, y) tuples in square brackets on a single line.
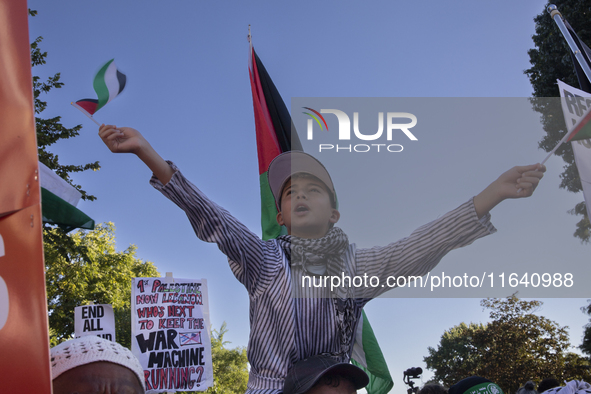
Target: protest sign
[(171, 333), (96, 320)]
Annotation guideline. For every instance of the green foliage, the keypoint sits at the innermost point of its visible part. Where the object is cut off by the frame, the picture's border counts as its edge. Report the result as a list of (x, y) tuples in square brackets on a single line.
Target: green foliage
[(456, 356), (586, 345), (551, 60), (230, 366), (230, 371), (516, 346), (87, 267)]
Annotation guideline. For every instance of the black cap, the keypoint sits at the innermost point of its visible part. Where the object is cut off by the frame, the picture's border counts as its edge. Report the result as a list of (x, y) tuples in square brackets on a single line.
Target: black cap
[(305, 373)]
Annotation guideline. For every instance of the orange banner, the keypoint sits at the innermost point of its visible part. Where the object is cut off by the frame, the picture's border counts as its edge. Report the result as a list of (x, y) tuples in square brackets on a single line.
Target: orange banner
[(23, 302), (24, 338), (19, 186)]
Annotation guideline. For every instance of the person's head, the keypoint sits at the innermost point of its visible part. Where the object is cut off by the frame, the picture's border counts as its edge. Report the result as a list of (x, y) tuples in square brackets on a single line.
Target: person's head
[(94, 365), (304, 194), (324, 375), (433, 388), (547, 384), (528, 388), (475, 385)]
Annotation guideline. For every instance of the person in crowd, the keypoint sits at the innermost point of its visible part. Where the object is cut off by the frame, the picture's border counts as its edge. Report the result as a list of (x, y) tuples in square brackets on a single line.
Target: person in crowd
[(547, 384), (95, 365), (528, 388), (323, 374), (433, 388), (572, 387)]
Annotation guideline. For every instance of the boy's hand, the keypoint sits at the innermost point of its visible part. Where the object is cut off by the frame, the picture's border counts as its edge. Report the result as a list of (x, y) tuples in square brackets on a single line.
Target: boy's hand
[(518, 182), (122, 140), (128, 140)]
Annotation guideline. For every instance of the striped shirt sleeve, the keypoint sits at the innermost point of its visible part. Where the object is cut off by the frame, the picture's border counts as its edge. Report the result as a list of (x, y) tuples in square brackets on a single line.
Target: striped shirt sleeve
[(421, 251), (212, 223)]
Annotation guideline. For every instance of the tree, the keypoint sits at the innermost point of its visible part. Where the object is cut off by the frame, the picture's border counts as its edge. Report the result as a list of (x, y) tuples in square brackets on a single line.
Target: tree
[(230, 369), (88, 268), (230, 366), (456, 356), (586, 345), (516, 346), (551, 60)]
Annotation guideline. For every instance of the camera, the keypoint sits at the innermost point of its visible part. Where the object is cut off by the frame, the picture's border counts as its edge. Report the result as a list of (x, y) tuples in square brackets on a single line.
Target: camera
[(412, 373)]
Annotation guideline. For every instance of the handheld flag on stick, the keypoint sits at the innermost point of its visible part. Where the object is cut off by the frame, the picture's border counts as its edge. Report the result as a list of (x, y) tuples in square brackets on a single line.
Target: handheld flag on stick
[(108, 83), (274, 136)]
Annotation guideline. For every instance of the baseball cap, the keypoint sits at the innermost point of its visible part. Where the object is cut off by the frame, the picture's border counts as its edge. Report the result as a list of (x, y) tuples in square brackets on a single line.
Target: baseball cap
[(305, 373), (293, 162)]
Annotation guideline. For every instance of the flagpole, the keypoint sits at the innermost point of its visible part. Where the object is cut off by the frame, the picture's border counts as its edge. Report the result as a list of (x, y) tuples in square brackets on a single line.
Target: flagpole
[(85, 113), (558, 18), (553, 11)]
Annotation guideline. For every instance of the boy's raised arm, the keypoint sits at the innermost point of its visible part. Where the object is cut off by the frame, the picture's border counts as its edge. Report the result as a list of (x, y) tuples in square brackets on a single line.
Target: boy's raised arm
[(128, 140), (518, 182)]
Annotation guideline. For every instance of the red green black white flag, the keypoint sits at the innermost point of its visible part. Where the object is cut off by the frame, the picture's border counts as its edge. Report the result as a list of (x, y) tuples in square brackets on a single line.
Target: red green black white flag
[(108, 83), (274, 136)]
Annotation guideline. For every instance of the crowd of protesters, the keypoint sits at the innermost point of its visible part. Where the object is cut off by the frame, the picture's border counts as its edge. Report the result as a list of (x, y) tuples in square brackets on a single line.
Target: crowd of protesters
[(93, 364), (479, 385)]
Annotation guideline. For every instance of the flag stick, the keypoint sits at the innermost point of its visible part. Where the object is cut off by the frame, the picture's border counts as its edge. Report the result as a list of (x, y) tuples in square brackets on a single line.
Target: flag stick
[(557, 145), (557, 17), (553, 11), (85, 113)]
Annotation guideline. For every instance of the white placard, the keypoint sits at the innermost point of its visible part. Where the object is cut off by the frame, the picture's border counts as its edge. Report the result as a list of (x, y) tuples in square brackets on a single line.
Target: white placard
[(170, 333), (96, 320)]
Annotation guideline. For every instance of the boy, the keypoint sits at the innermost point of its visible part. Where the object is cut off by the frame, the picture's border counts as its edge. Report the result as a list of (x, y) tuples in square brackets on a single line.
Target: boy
[(289, 323)]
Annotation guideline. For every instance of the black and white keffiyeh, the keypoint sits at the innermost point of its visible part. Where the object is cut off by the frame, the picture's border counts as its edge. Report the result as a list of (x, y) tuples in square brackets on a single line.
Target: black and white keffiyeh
[(320, 257)]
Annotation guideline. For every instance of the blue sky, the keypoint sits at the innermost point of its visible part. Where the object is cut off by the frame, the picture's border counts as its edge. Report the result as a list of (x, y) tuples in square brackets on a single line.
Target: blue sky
[(188, 92)]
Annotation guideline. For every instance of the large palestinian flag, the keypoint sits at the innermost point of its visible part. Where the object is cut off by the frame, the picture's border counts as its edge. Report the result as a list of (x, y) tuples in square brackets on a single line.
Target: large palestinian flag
[(274, 136), (273, 131)]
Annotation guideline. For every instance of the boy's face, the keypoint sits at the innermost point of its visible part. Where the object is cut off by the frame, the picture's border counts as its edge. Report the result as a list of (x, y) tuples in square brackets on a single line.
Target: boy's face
[(306, 208)]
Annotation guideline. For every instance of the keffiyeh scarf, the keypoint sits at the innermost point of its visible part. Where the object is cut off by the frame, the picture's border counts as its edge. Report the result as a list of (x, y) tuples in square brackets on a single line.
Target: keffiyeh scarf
[(325, 256)]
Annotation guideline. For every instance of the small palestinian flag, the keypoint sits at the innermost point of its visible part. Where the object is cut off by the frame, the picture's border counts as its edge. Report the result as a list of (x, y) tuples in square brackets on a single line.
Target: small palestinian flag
[(582, 129), (108, 83)]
